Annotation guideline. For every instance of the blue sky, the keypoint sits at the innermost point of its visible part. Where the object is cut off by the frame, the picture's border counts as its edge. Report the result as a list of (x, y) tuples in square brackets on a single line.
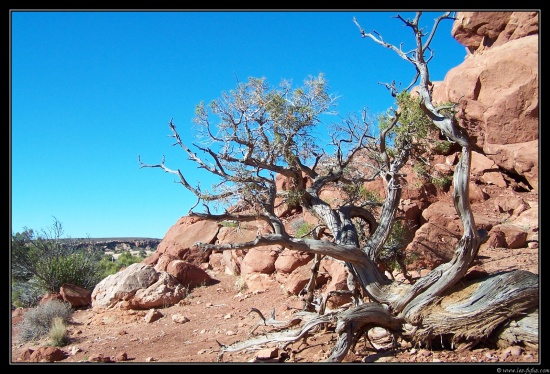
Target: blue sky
[(90, 91)]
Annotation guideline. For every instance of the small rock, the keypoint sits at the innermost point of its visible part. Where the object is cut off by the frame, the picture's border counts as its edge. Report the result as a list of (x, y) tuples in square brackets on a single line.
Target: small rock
[(74, 350), (268, 353), (99, 358), (121, 356), (516, 350), (180, 318), (152, 316), (384, 359), (425, 353), (25, 355)]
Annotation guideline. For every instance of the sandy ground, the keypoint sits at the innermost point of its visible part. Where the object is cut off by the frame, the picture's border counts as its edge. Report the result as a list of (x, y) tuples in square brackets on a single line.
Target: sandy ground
[(219, 314)]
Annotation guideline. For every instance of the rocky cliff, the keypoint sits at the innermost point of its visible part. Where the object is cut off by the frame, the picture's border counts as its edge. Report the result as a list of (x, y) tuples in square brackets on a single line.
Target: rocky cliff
[(120, 244)]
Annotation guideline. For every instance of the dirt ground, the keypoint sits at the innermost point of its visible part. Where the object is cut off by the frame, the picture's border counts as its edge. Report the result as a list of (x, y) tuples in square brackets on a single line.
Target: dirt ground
[(220, 313)]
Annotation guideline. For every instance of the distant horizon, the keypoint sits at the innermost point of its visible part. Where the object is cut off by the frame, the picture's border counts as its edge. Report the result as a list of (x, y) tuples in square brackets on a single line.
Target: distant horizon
[(119, 238)]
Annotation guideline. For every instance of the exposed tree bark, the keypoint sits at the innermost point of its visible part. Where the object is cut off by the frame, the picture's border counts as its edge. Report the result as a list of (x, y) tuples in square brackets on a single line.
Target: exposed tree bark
[(270, 133)]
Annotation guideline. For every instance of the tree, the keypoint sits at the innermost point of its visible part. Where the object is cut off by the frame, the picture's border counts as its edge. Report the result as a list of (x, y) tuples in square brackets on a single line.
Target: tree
[(266, 132), (43, 261)]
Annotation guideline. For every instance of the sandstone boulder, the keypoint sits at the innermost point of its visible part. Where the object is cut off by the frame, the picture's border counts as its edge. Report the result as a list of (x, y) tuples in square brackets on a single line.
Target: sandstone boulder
[(139, 286), (260, 260), (47, 354), (76, 296)]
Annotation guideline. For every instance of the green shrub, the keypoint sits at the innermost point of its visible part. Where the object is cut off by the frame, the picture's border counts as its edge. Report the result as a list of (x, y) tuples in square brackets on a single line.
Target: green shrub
[(294, 198), (108, 265), (420, 169), (443, 147), (50, 261), (442, 182), (303, 230), (26, 294), (58, 333), (229, 224), (358, 192), (370, 195), (74, 268), (37, 322)]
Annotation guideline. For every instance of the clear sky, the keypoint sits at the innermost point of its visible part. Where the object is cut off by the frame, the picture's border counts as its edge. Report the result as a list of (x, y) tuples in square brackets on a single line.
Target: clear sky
[(90, 91)]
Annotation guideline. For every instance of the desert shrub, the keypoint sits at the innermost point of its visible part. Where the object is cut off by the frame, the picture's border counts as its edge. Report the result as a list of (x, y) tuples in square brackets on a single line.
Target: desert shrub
[(37, 322), (442, 181), (443, 147), (304, 230), (240, 284), (294, 198), (45, 261), (300, 227), (230, 224), (108, 265), (58, 333), (26, 294)]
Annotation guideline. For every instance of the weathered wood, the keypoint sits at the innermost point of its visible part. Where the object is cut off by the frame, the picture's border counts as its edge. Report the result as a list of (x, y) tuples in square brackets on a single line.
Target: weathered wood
[(354, 320), (519, 331), (311, 320), (472, 312)]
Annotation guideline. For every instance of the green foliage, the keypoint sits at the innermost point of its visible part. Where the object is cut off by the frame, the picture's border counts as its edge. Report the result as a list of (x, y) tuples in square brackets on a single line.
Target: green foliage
[(37, 322), (229, 224), (414, 128), (358, 194), (304, 229), (447, 109), (421, 170), (43, 262), (294, 198), (266, 126), (58, 333), (414, 122), (442, 181), (25, 294), (443, 147), (78, 268), (108, 265), (126, 259), (369, 195)]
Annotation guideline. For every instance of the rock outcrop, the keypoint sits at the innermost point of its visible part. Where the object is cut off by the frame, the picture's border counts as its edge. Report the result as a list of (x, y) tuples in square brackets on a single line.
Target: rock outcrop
[(497, 88)]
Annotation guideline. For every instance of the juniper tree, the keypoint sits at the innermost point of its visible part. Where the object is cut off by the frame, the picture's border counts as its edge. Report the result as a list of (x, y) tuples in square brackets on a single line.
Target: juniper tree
[(254, 133)]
